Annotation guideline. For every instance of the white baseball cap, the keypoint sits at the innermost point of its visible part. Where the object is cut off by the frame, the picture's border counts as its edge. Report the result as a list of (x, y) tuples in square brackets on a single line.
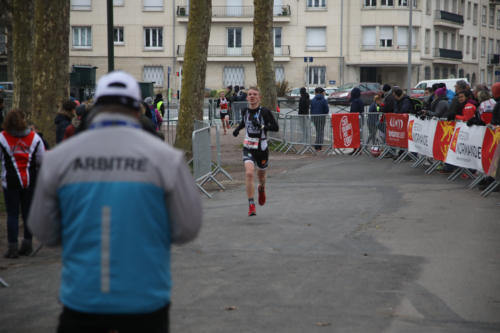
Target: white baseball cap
[(118, 87)]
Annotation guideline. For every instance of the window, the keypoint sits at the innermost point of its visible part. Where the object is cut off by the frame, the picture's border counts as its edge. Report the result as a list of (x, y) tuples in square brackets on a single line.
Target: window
[(454, 6), (490, 76), (370, 3), (153, 5), (490, 46), (403, 38), (498, 18), (474, 47), (461, 43), (277, 41), (428, 9), (279, 74), (446, 5), (498, 47), (118, 3), (453, 72), (427, 73), (461, 8), (492, 16), (461, 72), (445, 40), (482, 76), (153, 38), (427, 41), (81, 4), (453, 41), (3, 44), (483, 47), (386, 36), (316, 3), (317, 75), (316, 39), (234, 76), (118, 35), (469, 9), (474, 15), (153, 74), (436, 39), (437, 73), (404, 3), (445, 72), (387, 3), (369, 38), (234, 37), (483, 17), (82, 37), (468, 45)]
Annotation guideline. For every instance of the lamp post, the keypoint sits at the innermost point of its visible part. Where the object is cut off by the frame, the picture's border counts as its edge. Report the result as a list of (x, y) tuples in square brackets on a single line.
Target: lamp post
[(111, 50), (410, 30)]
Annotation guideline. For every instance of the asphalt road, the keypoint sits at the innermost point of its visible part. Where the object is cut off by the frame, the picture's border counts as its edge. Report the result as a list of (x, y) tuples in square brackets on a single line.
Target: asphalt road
[(342, 245)]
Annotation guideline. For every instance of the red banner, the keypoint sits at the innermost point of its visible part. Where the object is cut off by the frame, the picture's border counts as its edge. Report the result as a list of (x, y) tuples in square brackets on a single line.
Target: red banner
[(345, 128), (396, 133), (442, 139), (490, 143)]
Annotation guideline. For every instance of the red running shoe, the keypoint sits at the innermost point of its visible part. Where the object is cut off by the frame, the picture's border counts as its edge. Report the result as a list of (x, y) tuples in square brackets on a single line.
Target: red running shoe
[(251, 210), (262, 195)]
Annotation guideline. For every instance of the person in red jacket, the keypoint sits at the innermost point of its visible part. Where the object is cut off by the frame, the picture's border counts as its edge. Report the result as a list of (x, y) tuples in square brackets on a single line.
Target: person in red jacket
[(469, 109)]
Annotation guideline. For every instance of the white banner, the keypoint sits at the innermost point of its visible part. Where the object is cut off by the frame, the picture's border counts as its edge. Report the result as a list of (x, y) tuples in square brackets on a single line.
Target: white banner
[(466, 146), (421, 135)]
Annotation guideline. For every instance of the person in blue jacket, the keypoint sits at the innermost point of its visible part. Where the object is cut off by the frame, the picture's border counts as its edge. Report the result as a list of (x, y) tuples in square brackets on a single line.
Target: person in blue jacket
[(319, 108)]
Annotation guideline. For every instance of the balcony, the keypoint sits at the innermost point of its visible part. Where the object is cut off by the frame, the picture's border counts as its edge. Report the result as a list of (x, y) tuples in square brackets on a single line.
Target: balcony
[(449, 20), (236, 13), (447, 54), (243, 53), (493, 59)]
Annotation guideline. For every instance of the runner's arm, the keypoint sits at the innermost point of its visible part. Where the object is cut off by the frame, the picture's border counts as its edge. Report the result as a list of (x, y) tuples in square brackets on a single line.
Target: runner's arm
[(270, 123), (241, 125)]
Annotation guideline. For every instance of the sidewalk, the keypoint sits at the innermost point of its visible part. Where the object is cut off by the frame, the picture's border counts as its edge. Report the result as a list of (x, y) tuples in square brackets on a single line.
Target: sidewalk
[(343, 245)]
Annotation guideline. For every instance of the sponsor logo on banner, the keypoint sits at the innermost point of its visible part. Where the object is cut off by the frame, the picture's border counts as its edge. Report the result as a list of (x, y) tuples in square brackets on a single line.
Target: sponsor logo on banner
[(410, 129), (466, 147), (442, 139), (422, 135), (396, 134), (346, 132), (454, 140), (490, 143)]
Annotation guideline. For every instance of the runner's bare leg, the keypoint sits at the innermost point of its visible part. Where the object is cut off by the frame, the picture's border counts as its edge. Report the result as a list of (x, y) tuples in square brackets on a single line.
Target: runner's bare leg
[(249, 171), (262, 177)]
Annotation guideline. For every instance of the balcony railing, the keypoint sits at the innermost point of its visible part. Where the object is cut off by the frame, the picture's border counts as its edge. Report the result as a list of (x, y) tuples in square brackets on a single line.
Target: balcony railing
[(449, 17), (448, 54), (236, 11), (493, 59), (243, 51)]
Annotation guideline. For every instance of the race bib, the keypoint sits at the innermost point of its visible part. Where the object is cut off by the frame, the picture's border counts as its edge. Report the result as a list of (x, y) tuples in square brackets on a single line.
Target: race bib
[(251, 143)]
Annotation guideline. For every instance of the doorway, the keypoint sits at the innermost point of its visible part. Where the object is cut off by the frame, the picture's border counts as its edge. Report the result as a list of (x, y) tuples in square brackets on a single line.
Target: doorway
[(368, 74)]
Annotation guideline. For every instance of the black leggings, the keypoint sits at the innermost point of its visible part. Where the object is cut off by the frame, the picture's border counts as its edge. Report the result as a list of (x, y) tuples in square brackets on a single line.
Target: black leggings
[(14, 199), (72, 321)]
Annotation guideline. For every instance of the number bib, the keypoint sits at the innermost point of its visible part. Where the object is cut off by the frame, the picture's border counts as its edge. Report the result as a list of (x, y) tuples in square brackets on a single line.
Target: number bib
[(251, 143)]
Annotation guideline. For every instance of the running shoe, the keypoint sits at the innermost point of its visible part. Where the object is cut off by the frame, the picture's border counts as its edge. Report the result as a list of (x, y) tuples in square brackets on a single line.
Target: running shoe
[(251, 210), (262, 195)]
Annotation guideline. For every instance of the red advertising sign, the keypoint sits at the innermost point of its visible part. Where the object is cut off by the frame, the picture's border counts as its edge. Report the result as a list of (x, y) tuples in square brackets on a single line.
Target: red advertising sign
[(442, 139), (396, 134), (345, 128), (490, 143)]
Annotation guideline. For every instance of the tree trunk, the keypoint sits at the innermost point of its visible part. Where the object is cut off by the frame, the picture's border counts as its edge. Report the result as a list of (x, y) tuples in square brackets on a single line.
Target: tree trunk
[(263, 51), (6, 23), (193, 71), (22, 29), (50, 63)]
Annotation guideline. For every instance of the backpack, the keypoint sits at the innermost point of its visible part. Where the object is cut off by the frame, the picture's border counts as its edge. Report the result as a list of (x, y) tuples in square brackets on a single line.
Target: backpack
[(417, 105), (153, 117)]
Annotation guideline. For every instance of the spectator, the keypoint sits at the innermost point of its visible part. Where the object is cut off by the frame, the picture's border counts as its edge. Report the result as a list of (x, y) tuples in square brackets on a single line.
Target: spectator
[(403, 103), (304, 104), (242, 95), (449, 93), (357, 104), (319, 110), (158, 103), (1, 111), (495, 91), (373, 118), (469, 106), (127, 198), (428, 98), (21, 151), (455, 106), (63, 119), (439, 105), (486, 106), (389, 100), (155, 114)]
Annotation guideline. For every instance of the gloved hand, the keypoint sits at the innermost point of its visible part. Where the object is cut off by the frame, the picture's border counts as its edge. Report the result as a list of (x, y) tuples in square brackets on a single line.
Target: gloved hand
[(236, 132)]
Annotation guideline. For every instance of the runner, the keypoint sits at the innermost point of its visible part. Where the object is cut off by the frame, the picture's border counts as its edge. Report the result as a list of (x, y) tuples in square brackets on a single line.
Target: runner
[(256, 120), (223, 103)]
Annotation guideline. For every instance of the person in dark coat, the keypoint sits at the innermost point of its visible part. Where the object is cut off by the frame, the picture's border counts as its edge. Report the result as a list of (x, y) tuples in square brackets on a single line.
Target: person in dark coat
[(495, 92), (439, 105), (304, 104), (319, 109), (389, 100), (63, 119), (455, 105), (403, 103)]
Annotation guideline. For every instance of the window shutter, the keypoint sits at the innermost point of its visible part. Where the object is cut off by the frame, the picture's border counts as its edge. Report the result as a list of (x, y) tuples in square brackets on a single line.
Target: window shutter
[(81, 4), (386, 32), (153, 4), (369, 38), (403, 37), (316, 37)]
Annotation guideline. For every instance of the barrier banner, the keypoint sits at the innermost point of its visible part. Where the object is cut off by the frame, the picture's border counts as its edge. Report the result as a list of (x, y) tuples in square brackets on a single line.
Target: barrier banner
[(396, 133), (346, 133), (495, 163), (442, 139), (421, 135), (490, 144), (466, 146)]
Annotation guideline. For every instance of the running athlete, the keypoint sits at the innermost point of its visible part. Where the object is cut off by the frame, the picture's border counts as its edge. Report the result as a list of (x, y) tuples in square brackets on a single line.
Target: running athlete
[(223, 103), (256, 120)]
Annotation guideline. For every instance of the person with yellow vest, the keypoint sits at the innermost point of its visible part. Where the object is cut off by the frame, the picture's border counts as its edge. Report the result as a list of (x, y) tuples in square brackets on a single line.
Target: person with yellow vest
[(159, 104)]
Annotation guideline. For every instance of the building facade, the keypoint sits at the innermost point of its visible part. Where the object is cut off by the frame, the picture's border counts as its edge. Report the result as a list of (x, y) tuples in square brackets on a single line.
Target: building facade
[(316, 42)]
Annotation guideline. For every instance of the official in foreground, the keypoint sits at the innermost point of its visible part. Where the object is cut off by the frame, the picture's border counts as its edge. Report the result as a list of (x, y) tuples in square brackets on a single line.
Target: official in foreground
[(115, 197)]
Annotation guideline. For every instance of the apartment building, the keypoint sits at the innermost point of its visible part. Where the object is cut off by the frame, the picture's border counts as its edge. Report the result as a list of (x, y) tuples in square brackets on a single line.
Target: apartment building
[(342, 41)]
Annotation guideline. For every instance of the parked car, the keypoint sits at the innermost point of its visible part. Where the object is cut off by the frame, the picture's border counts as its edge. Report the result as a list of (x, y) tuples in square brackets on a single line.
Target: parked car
[(343, 95), (295, 92)]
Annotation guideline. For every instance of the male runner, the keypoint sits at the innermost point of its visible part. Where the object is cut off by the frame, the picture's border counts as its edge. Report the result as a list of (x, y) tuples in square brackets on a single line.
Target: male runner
[(256, 120)]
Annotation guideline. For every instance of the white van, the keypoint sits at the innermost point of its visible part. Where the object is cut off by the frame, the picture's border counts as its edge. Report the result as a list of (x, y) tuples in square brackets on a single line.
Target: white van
[(450, 83)]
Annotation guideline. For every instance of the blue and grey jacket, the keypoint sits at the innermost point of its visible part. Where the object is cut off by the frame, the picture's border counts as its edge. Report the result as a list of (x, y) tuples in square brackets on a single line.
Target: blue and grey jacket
[(115, 197)]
